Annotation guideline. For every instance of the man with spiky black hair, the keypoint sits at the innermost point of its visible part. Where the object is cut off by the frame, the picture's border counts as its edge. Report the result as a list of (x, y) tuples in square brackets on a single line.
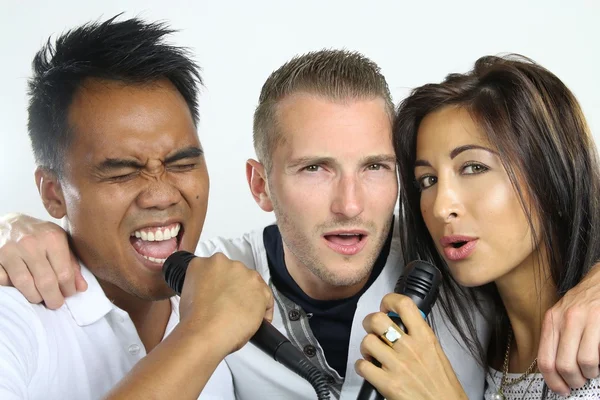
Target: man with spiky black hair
[(112, 122)]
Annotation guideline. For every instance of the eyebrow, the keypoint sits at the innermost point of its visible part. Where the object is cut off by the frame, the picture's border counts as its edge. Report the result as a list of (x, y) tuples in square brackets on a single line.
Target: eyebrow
[(456, 152), (121, 163), (189, 152), (381, 158)]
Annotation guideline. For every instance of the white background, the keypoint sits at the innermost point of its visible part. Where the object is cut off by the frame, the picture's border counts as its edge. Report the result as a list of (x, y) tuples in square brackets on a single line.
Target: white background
[(239, 43)]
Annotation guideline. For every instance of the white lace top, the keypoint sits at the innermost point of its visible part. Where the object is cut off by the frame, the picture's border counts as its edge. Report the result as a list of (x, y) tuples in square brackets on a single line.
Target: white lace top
[(532, 387)]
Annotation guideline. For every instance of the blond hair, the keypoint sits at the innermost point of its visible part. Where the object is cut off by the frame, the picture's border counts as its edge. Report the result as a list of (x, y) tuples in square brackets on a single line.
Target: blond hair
[(338, 75)]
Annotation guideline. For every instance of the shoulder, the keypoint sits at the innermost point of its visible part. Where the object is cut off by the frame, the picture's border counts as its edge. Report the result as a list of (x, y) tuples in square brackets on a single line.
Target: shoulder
[(21, 332), (20, 318), (247, 248), (14, 307)]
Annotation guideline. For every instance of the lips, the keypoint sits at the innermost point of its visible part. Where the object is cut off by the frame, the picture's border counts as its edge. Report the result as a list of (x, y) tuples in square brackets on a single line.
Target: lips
[(346, 242), (458, 247), (153, 244)]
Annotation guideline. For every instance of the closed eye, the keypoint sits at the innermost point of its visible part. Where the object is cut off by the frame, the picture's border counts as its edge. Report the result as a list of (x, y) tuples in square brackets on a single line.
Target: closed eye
[(182, 167), (123, 177)]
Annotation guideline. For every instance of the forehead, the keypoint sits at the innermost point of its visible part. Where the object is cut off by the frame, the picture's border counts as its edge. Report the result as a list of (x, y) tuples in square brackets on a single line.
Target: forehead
[(112, 119), (312, 124), (449, 127)]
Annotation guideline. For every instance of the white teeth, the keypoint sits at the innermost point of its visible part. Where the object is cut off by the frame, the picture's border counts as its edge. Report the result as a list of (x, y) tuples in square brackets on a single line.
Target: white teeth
[(158, 234), (156, 260)]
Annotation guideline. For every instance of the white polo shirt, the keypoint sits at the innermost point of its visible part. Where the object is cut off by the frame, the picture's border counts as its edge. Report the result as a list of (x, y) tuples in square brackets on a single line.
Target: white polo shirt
[(79, 351)]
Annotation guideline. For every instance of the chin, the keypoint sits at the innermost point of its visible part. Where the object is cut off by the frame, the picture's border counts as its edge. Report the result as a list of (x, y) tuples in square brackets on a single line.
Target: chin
[(345, 276), (471, 280)]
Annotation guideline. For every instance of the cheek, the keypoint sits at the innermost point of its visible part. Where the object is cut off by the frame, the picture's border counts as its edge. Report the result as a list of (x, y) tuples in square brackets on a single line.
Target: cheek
[(300, 196), (426, 206), (194, 185), (95, 205), (504, 218)]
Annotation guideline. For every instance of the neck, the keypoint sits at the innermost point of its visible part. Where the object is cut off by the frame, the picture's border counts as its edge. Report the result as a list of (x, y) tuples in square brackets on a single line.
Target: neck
[(149, 317), (527, 293)]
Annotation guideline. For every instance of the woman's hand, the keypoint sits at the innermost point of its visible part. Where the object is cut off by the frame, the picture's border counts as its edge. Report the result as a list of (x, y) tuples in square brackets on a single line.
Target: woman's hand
[(415, 366)]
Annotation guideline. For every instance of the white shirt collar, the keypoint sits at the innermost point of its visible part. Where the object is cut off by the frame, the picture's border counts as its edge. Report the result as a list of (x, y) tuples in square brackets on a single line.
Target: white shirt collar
[(89, 306)]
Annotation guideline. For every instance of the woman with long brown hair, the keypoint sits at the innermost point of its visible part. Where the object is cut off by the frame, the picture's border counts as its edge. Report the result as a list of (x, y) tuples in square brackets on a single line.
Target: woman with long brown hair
[(501, 191)]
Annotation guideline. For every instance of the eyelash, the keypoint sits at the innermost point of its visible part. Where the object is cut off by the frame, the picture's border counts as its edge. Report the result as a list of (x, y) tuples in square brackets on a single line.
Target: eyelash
[(123, 178), (419, 182), (183, 167), (175, 168), (379, 165)]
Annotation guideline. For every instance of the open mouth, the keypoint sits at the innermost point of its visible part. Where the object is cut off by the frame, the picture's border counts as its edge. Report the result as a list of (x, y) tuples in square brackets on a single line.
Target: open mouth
[(458, 247), (345, 239), (346, 243), (157, 243)]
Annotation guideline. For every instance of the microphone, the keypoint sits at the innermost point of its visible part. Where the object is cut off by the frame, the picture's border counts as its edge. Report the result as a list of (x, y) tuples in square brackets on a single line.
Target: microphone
[(267, 338), (420, 281)]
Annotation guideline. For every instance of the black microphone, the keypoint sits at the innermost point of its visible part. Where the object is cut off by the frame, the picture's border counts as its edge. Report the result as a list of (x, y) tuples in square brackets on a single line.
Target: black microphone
[(267, 338), (420, 281)]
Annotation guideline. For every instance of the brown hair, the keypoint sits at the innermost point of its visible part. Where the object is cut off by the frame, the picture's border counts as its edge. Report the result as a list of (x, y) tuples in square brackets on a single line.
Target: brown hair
[(540, 133)]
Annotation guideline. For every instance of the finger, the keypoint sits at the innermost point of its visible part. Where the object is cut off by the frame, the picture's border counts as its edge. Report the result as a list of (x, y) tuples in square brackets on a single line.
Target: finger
[(372, 373), (407, 310), (44, 279), (547, 353), (4, 279), (22, 279), (80, 282), (60, 261), (566, 356), (378, 323), (270, 306), (588, 357), (373, 348), (379, 378)]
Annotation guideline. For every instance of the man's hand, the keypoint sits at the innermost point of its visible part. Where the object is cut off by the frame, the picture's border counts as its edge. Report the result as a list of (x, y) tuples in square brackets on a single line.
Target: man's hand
[(222, 305), (225, 299), (569, 351), (35, 258)]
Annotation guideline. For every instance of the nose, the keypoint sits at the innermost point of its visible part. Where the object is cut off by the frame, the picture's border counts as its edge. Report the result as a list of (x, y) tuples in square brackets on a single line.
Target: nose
[(159, 193), (348, 197), (447, 205)]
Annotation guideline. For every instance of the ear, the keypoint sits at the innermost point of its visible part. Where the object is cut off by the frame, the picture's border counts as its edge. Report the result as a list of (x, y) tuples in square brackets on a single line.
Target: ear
[(257, 180), (50, 192)]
